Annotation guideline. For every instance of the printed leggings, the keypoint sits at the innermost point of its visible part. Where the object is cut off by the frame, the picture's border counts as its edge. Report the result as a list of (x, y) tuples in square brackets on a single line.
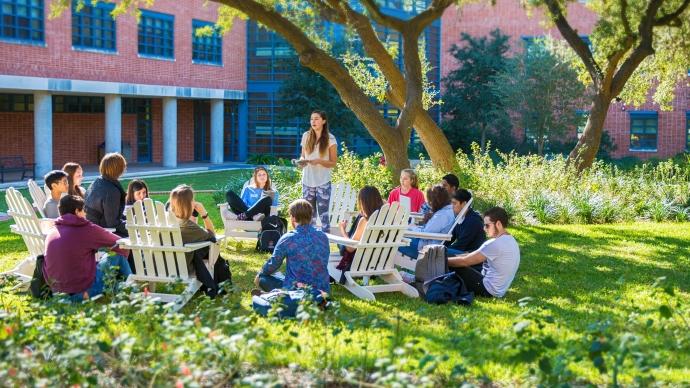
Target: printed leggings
[(319, 197)]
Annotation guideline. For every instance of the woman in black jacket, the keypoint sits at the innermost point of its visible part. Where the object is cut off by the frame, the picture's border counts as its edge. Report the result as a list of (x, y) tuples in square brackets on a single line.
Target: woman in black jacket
[(105, 198)]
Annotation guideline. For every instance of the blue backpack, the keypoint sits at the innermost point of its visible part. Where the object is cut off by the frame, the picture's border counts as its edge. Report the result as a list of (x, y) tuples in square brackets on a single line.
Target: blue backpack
[(448, 288)]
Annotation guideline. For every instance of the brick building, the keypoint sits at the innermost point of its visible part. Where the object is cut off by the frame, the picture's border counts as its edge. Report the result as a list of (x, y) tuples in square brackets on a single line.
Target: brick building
[(82, 84), (645, 131)]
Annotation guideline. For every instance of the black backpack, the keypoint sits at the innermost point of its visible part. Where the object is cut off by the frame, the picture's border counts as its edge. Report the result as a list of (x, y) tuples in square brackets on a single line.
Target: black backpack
[(272, 228), (448, 288), (39, 287)]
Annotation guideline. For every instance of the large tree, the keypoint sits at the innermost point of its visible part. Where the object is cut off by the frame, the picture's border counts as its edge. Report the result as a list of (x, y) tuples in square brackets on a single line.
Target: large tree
[(635, 45), (300, 23), (471, 106)]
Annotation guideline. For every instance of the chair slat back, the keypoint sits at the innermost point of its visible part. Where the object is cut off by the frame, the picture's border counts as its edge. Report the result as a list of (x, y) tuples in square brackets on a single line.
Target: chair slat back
[(26, 224), (381, 238), (343, 198), (150, 226), (38, 196), (461, 216)]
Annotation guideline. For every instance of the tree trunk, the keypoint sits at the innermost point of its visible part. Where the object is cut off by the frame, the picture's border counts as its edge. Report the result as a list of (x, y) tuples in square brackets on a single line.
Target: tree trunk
[(540, 146), (585, 151), (396, 161), (435, 142), (482, 143)]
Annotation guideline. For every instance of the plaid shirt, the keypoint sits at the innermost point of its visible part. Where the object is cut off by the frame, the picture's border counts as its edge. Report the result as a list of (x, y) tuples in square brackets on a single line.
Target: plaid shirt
[(307, 251)]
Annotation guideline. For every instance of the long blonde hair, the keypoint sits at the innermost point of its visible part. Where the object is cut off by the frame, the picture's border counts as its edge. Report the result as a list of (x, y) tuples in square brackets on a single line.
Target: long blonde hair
[(182, 201), (323, 140)]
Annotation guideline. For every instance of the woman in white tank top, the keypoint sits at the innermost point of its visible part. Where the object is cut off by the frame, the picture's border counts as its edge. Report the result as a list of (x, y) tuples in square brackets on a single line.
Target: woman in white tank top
[(319, 156)]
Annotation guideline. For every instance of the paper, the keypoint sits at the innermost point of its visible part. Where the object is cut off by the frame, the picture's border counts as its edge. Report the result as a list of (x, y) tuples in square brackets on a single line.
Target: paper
[(405, 203)]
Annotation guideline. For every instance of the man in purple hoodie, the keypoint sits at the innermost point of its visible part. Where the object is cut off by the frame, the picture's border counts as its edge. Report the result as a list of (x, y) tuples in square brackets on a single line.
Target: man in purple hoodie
[(70, 263)]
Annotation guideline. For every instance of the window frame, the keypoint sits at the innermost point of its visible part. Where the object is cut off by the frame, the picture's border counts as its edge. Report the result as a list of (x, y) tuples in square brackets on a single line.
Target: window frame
[(78, 18), (643, 115), (206, 45), (141, 33), (30, 20)]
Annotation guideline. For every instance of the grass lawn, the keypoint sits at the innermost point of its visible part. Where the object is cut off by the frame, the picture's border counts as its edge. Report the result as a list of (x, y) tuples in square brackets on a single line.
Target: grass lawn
[(578, 275)]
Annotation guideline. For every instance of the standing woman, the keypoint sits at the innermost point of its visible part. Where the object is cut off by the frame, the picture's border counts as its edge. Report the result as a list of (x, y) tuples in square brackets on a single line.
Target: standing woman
[(75, 174), (320, 151), (105, 199)]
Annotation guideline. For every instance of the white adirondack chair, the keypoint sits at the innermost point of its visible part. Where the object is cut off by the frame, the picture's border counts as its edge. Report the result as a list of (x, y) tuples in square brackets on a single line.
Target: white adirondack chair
[(38, 196), (248, 229), (32, 229), (159, 254), (409, 262), (341, 205), (375, 254)]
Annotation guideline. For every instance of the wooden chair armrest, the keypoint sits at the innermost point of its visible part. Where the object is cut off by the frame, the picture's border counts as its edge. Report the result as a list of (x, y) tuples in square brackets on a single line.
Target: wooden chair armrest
[(124, 242), (197, 245), (427, 235), (348, 242), (220, 237), (222, 205)]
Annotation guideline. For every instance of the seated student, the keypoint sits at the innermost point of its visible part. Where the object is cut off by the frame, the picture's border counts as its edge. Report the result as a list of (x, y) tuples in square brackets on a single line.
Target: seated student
[(408, 192), (182, 205), (500, 256), (306, 250), (75, 175), (255, 200), (468, 235), (136, 191), (369, 200), (105, 198), (441, 221), (57, 182), (70, 264), (451, 183)]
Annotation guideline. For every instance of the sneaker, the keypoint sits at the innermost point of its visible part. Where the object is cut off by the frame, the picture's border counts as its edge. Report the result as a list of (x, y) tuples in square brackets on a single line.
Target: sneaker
[(259, 217), (407, 277), (242, 217)]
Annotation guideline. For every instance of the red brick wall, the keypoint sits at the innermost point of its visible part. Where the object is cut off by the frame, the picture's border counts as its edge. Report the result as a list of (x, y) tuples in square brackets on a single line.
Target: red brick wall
[(16, 138), (58, 60), (511, 18)]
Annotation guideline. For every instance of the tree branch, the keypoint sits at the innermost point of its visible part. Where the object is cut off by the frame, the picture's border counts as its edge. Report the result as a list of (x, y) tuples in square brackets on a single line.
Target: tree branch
[(328, 12), (426, 17), (578, 45), (624, 18), (644, 49), (667, 19), (380, 17)]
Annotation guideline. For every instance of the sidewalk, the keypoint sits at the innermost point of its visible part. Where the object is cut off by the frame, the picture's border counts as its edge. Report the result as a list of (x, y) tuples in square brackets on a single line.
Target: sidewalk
[(141, 170)]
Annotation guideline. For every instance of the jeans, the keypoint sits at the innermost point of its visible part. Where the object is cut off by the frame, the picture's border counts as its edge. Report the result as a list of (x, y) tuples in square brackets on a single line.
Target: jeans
[(319, 198), (269, 283), (238, 206), (102, 268), (474, 281), (411, 250)]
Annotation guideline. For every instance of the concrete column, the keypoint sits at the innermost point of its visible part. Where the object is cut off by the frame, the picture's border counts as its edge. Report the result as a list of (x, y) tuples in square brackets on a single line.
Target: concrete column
[(113, 123), (169, 132), (43, 133), (217, 125), (243, 131)]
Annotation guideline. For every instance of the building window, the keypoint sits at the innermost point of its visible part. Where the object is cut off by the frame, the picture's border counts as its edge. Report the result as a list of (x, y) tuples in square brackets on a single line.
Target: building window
[(93, 27), (16, 103), (78, 104), (643, 131), (156, 35), (206, 48), (22, 20)]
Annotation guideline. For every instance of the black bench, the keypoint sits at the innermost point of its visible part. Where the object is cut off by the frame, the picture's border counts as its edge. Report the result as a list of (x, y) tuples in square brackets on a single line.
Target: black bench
[(10, 164)]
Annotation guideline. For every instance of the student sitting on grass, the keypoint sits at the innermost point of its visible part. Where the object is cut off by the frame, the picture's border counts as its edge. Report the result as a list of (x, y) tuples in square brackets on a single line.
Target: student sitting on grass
[(255, 200), (136, 191), (500, 256), (70, 261), (441, 221), (306, 250), (57, 182)]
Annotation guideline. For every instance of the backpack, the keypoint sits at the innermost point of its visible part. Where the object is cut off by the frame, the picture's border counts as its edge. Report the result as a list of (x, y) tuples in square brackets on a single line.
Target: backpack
[(433, 264), (272, 228), (39, 287), (289, 301), (447, 288)]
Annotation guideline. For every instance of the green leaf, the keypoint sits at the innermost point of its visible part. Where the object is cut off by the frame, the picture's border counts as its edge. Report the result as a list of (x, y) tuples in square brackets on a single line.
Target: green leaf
[(665, 311)]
